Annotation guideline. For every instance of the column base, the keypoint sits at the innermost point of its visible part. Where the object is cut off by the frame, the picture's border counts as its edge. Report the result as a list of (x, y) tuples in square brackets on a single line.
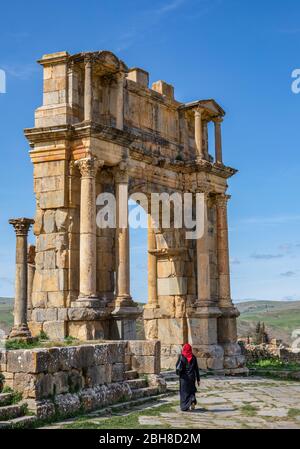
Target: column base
[(124, 301), (21, 332), (89, 301), (123, 322)]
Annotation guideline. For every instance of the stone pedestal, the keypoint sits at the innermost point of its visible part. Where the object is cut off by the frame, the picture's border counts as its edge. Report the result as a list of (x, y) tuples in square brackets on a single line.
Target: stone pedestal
[(20, 329)]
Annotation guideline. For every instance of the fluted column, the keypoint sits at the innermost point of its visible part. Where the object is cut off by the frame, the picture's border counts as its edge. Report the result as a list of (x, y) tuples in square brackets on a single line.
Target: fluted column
[(152, 266), (218, 140), (198, 134), (20, 328), (123, 297), (87, 283), (223, 251), (88, 88), (120, 100)]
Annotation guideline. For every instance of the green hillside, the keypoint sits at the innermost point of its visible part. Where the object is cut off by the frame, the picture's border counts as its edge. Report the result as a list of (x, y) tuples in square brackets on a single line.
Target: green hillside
[(6, 313), (280, 317)]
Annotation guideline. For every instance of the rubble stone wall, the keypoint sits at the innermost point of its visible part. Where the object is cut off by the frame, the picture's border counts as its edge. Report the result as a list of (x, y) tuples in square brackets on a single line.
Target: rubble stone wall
[(255, 353)]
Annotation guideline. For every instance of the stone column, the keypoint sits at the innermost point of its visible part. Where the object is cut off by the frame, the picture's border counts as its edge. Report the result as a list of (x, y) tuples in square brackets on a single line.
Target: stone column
[(30, 277), (20, 328), (203, 265), (123, 297), (87, 283), (198, 134), (218, 140), (88, 94), (120, 100), (223, 251), (152, 266), (203, 322), (205, 139), (227, 329)]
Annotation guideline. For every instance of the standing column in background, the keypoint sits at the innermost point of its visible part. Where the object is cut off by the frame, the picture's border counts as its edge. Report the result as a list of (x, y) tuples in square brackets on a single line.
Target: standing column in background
[(20, 329)]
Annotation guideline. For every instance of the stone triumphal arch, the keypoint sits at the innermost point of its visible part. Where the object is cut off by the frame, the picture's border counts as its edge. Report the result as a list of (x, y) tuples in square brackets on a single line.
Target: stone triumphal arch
[(102, 129)]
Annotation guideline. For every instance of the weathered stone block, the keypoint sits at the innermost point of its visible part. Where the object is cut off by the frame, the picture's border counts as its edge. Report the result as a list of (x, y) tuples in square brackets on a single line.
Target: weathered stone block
[(172, 331), (25, 384), (146, 364), (40, 315), (28, 361), (60, 381), (75, 381), (61, 220), (118, 370), (56, 330), (49, 221), (98, 375), (144, 347), (172, 286)]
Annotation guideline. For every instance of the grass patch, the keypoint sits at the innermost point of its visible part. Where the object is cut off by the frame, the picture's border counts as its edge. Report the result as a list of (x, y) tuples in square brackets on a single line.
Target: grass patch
[(249, 410), (130, 421), (16, 395), (42, 341), (293, 412), (275, 364)]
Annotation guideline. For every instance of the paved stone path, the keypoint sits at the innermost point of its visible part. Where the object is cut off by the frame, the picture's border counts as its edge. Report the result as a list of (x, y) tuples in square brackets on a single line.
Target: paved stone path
[(237, 403), (223, 403)]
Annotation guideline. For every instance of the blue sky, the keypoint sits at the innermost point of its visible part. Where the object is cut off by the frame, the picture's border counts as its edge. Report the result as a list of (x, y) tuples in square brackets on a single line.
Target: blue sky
[(241, 53)]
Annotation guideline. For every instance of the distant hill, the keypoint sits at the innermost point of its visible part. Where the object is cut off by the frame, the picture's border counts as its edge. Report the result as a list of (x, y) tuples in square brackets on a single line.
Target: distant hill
[(6, 313), (280, 318)]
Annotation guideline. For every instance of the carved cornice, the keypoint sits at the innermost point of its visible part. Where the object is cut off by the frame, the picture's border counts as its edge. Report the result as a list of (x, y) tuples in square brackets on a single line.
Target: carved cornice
[(21, 225)]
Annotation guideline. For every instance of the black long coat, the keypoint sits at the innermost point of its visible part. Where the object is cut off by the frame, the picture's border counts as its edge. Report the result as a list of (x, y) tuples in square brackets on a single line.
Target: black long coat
[(188, 375)]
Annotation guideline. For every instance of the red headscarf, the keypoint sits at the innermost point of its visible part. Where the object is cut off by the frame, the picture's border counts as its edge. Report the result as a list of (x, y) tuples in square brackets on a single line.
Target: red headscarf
[(187, 352)]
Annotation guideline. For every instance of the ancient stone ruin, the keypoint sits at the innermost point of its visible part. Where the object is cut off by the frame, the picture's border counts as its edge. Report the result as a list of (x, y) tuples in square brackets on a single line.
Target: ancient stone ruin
[(101, 128)]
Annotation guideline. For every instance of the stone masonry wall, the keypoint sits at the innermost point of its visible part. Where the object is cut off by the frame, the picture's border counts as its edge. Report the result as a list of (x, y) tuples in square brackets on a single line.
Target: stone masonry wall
[(44, 373)]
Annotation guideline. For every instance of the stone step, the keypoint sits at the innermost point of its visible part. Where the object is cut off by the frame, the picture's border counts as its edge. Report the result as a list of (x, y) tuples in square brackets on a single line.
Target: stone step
[(137, 383), (20, 422), (127, 366), (131, 374), (144, 392), (6, 399), (11, 411)]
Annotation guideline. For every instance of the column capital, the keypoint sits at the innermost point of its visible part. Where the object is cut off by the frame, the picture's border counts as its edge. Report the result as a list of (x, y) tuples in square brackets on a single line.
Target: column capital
[(88, 59), (222, 199), (121, 172), (218, 119), (203, 187), (21, 225), (89, 166), (198, 111), (120, 77)]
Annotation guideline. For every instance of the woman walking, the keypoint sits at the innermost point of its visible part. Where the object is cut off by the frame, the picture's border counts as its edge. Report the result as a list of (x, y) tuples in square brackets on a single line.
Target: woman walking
[(188, 372)]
